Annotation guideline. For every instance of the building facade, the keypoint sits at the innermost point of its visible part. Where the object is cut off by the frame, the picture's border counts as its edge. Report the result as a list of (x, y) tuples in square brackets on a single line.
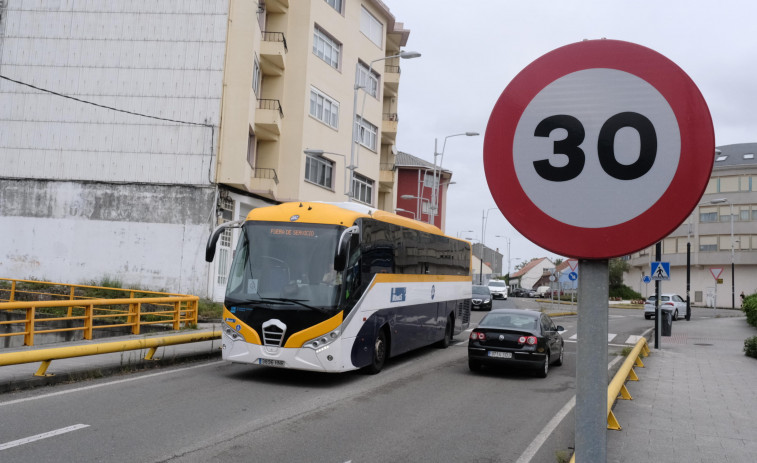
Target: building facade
[(129, 130), (417, 183), (721, 233)]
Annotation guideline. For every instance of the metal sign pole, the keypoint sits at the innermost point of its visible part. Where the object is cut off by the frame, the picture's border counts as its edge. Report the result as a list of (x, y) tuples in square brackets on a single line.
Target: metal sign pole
[(657, 312), (591, 366)]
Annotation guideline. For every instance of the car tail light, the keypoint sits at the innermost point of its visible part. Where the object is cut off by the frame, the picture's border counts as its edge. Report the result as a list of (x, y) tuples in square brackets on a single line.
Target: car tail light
[(530, 340), (477, 336), (669, 303)]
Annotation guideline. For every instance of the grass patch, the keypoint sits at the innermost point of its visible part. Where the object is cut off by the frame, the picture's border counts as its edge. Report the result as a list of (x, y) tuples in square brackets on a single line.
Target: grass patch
[(209, 310)]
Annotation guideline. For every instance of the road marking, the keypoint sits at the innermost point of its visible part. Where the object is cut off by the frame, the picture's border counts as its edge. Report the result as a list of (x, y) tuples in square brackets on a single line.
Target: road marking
[(610, 337), (542, 437), (109, 383), (44, 435), (633, 339)]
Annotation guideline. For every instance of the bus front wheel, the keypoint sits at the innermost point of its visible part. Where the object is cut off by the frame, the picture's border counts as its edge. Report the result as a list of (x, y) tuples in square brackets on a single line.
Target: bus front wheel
[(379, 354)]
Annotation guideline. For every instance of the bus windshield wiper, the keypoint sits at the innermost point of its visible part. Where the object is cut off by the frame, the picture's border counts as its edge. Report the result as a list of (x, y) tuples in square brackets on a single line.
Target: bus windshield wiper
[(295, 301)]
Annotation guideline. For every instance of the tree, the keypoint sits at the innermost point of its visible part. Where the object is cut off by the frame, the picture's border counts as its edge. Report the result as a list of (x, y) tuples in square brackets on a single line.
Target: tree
[(617, 268), (558, 261)]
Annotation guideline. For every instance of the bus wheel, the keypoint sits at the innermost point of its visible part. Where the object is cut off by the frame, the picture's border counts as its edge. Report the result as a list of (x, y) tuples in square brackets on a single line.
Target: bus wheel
[(379, 354), (444, 343)]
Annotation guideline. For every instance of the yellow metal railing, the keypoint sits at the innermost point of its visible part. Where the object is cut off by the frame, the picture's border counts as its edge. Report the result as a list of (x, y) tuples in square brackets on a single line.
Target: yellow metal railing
[(79, 312), (48, 355), (617, 387)]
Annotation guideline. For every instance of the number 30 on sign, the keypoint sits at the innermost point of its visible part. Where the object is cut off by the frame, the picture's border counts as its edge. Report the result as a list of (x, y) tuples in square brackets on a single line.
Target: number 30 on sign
[(599, 149)]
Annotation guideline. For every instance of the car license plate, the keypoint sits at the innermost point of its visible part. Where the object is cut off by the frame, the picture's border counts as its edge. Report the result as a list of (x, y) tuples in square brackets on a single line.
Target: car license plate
[(271, 363), (502, 355)]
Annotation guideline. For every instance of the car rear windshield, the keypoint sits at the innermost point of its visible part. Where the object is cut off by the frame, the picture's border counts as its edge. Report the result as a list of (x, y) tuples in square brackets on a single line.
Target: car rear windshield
[(481, 290), (498, 284), (510, 321)]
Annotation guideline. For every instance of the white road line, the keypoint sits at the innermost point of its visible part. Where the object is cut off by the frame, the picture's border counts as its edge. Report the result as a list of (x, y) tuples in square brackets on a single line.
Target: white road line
[(542, 437), (633, 339), (109, 383), (44, 435), (610, 337)]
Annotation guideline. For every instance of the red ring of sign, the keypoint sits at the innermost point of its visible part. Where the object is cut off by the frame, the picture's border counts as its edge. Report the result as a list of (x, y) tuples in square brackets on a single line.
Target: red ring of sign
[(659, 220)]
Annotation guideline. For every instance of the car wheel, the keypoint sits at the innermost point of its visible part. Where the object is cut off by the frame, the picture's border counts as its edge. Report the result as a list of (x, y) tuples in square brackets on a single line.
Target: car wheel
[(544, 370), (379, 354), (675, 315), (444, 343), (474, 365), (560, 358), (647, 316)]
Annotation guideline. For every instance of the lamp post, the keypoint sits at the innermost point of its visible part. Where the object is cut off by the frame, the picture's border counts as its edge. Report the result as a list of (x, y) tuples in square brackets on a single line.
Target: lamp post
[(319, 154), (356, 117), (507, 240), (420, 213), (406, 211), (733, 264), (435, 184), (484, 218)]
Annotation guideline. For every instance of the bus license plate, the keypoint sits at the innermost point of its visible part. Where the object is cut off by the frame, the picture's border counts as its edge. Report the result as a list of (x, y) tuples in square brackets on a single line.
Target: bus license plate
[(271, 363), (502, 355)]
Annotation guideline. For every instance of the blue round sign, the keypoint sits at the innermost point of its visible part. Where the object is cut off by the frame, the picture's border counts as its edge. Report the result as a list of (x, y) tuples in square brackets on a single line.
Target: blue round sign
[(573, 276)]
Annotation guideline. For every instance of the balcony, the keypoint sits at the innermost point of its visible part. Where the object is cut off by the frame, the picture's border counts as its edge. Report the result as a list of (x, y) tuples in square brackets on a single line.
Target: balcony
[(264, 182), (386, 176), (277, 6), (389, 124), (268, 116), (273, 51), (391, 80)]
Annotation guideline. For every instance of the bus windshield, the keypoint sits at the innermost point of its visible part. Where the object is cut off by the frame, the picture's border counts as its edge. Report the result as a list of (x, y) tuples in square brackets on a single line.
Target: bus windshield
[(286, 264)]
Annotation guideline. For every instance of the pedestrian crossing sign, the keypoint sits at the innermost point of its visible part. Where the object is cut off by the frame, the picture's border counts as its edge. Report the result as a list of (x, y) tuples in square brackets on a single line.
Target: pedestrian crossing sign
[(661, 270)]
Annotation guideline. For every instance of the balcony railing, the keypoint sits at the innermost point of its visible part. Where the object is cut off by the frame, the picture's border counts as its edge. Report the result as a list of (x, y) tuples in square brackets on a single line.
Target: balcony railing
[(392, 68), (272, 105), (265, 172), (276, 37), (391, 117), (387, 166)]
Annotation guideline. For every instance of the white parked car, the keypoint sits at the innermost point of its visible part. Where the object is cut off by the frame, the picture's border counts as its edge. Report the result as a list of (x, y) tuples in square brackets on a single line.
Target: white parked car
[(670, 302), (498, 288)]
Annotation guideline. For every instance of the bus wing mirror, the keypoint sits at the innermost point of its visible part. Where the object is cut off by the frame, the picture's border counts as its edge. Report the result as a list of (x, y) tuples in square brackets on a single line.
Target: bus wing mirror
[(210, 248), (342, 248)]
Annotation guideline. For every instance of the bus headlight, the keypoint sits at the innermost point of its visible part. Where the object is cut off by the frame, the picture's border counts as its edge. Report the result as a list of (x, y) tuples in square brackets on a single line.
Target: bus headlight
[(322, 341)]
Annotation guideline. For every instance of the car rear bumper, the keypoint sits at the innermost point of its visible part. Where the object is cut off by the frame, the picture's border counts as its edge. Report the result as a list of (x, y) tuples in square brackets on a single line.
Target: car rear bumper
[(519, 358)]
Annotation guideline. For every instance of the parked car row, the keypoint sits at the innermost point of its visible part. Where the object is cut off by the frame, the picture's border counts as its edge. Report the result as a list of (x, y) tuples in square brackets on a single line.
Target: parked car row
[(669, 302)]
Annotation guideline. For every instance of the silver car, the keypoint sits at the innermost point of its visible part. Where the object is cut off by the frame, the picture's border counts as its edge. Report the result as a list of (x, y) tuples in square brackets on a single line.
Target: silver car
[(670, 302)]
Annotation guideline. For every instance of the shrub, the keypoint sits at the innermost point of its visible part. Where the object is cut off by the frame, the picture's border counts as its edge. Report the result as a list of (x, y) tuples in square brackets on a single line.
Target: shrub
[(750, 346), (750, 309), (623, 292)]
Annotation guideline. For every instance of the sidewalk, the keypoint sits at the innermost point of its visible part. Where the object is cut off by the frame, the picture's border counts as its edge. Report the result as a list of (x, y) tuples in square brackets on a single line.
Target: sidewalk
[(15, 377), (696, 398)]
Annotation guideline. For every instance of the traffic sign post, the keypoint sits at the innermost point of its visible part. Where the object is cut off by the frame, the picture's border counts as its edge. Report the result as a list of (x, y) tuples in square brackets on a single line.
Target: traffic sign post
[(579, 132)]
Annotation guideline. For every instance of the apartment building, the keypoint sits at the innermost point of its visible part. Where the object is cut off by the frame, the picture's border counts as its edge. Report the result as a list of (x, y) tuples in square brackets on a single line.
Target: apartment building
[(721, 233), (129, 130)]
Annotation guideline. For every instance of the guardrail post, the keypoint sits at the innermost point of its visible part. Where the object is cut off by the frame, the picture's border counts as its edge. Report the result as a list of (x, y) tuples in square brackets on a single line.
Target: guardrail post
[(71, 298), (89, 310), (134, 317), (176, 315), (29, 326), (13, 291)]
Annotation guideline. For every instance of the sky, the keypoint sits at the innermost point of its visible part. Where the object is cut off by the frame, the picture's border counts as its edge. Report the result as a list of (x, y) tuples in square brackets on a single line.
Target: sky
[(471, 50)]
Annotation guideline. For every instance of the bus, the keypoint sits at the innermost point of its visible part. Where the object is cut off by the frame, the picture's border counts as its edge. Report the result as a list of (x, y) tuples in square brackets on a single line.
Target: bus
[(334, 287)]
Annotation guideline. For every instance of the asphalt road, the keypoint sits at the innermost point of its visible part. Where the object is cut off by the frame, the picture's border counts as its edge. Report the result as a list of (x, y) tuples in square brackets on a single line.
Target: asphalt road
[(424, 406)]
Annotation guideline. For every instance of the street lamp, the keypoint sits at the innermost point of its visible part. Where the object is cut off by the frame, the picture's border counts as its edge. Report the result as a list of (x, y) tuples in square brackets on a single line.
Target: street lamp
[(319, 154), (405, 210), (435, 184), (507, 240), (733, 265), (484, 219), (420, 212), (355, 117)]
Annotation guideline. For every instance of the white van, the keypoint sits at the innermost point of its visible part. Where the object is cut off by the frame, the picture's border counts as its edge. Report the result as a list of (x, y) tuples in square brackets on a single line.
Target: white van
[(498, 288), (542, 291)]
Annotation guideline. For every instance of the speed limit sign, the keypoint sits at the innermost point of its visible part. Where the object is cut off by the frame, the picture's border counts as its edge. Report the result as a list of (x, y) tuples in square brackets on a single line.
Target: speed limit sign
[(599, 149)]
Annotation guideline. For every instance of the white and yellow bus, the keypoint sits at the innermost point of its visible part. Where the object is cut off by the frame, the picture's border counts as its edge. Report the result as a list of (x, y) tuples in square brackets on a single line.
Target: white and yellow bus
[(339, 286)]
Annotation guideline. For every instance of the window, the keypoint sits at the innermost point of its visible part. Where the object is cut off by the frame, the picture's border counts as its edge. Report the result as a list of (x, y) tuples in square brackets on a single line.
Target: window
[(712, 186), (708, 214), (725, 213), (749, 156), (430, 180), (371, 27), (729, 184), (251, 149), (324, 108), (326, 48), (367, 133), (318, 170), (335, 4), (669, 246), (257, 77), (368, 81), (362, 189), (708, 243)]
